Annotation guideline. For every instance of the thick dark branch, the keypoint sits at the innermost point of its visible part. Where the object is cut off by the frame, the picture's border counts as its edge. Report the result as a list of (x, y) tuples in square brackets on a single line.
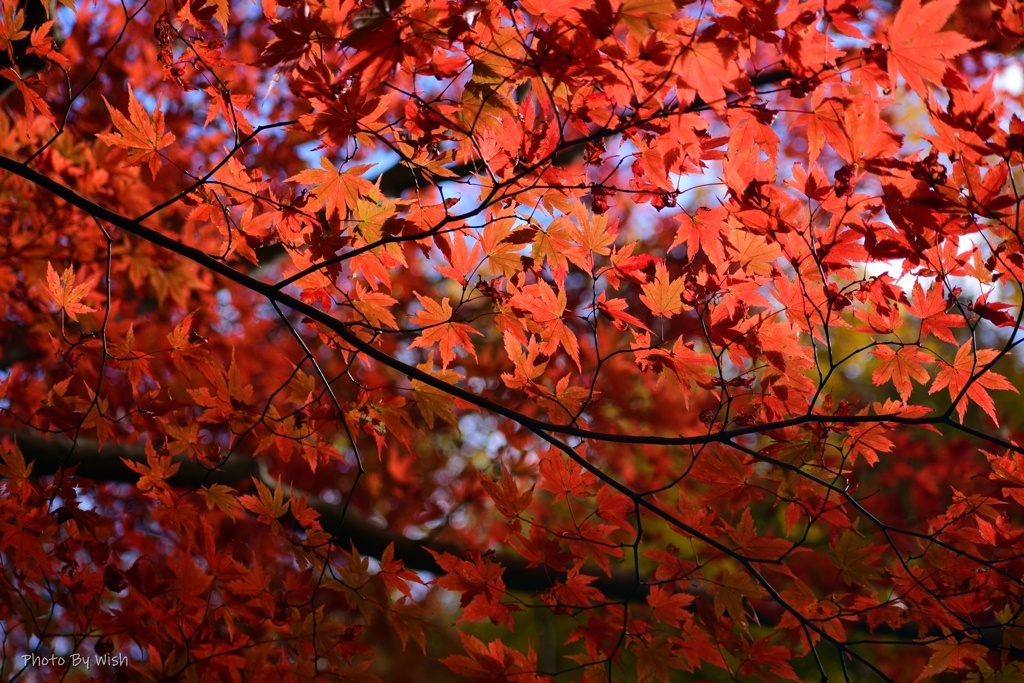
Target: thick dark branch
[(51, 454)]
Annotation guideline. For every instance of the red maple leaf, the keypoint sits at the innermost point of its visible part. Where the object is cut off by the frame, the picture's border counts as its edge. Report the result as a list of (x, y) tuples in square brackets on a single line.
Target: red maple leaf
[(966, 371), (479, 583), (918, 48), (931, 309)]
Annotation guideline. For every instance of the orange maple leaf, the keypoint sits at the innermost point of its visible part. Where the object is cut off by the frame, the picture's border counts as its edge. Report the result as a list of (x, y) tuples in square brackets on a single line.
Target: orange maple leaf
[(704, 231), (269, 505), (154, 474), (142, 135), (64, 292), (707, 66), (918, 48), (335, 190), (441, 330), (13, 462), (900, 366), (664, 295)]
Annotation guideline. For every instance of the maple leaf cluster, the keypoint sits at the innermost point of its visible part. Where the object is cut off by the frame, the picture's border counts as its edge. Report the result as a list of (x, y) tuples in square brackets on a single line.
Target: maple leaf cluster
[(529, 341)]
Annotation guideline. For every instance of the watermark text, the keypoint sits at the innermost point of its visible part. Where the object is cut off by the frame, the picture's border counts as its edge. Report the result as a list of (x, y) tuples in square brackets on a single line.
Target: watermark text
[(75, 660)]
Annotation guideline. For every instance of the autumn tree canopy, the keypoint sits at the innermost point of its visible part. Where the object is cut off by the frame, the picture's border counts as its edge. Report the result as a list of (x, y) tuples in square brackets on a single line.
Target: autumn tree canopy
[(511, 340)]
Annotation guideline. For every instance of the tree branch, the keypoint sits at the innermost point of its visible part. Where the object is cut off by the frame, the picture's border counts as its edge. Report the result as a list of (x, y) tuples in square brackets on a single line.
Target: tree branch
[(49, 455)]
